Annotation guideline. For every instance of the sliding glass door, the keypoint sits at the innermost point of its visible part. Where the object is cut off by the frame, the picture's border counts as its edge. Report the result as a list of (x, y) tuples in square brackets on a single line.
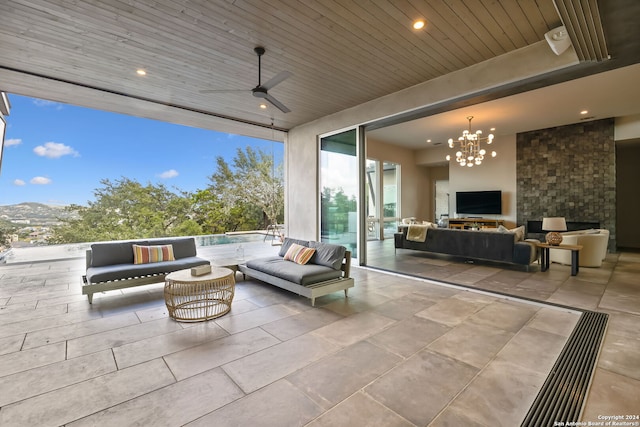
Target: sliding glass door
[(390, 197), (382, 190), (339, 190), (372, 191)]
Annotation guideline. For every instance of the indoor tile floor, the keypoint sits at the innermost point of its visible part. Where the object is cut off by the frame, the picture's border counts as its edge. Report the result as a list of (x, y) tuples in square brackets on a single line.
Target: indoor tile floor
[(400, 351)]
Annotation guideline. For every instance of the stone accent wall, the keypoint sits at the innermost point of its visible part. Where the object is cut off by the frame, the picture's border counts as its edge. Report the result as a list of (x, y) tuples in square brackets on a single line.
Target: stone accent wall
[(568, 171)]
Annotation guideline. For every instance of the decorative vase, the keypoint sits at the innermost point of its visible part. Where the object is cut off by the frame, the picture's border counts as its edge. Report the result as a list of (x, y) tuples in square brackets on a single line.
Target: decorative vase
[(553, 238)]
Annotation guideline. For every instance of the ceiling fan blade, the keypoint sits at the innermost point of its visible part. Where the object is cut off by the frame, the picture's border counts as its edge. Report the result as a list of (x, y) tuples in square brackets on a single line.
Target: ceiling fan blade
[(282, 75), (279, 105), (224, 90)]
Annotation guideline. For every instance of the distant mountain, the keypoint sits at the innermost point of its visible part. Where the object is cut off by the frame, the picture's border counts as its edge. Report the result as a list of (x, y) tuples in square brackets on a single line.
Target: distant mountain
[(30, 213)]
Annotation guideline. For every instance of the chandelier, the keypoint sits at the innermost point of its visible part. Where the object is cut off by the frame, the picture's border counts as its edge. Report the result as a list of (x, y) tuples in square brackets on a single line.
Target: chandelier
[(470, 153)]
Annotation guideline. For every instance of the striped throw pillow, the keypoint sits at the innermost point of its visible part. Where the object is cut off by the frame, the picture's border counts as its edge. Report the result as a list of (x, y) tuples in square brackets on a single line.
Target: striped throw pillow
[(299, 254), (147, 254)]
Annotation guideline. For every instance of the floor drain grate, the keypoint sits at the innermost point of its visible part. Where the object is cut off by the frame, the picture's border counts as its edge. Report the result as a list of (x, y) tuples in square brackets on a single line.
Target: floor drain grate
[(565, 389)]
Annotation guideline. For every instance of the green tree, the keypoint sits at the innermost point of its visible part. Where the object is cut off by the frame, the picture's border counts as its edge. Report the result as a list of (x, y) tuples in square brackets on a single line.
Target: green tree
[(251, 191), (126, 209), (6, 229)]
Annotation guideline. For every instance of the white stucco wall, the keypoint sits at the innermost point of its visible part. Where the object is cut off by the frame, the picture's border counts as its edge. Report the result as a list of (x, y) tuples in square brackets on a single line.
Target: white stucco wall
[(415, 191), (627, 128), (301, 215)]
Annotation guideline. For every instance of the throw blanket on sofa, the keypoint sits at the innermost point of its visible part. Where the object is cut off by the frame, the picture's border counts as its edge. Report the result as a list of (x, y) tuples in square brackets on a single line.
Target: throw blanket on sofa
[(417, 232)]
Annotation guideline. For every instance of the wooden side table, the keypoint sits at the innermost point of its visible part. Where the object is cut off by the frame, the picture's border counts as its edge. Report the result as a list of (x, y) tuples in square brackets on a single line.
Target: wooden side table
[(575, 256), (196, 298)]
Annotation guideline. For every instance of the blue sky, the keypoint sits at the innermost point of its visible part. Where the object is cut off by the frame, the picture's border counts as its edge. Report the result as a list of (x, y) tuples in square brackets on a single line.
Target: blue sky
[(58, 153)]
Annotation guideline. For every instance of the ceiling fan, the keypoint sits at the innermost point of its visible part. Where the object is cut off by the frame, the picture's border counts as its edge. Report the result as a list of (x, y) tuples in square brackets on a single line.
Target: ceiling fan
[(262, 90)]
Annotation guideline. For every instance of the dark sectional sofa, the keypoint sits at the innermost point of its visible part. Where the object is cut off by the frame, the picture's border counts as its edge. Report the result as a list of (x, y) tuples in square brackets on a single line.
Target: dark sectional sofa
[(482, 245)]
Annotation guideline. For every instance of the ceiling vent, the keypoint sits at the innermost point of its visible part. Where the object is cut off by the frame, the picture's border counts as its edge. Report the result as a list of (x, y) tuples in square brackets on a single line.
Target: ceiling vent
[(581, 18)]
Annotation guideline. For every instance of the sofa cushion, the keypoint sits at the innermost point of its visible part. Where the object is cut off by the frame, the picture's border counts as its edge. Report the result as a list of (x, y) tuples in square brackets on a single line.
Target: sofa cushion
[(328, 254), (129, 270), (299, 254), (301, 274), (154, 253), (183, 247), (288, 242), (113, 253), (519, 233)]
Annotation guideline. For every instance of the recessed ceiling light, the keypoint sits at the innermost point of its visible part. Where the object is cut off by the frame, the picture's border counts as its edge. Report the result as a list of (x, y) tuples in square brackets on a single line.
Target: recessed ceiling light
[(428, 140), (583, 112), (141, 72), (492, 129), (263, 106), (418, 25)]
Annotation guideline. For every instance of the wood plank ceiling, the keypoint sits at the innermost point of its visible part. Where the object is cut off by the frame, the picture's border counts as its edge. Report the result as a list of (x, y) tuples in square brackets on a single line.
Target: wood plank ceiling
[(341, 53)]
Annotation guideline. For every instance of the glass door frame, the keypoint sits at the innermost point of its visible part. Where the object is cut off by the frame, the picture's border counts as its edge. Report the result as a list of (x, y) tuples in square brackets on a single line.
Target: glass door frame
[(361, 220), (398, 186), (377, 222)]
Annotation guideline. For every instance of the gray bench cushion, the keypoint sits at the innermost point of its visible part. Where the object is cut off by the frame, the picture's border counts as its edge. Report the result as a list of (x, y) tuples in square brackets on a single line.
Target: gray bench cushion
[(125, 271), (103, 254), (287, 244), (301, 274), (327, 254), (182, 247)]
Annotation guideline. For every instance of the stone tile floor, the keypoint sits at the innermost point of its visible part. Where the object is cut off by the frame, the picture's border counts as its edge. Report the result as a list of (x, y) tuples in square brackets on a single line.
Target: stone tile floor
[(613, 288), (399, 351)]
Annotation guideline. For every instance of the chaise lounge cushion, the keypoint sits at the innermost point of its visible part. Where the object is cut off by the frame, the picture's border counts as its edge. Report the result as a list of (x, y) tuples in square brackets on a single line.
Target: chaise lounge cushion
[(300, 274)]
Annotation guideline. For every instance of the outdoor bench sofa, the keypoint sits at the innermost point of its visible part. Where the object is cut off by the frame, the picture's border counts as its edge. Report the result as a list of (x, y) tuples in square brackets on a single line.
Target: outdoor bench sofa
[(110, 265), (327, 271)]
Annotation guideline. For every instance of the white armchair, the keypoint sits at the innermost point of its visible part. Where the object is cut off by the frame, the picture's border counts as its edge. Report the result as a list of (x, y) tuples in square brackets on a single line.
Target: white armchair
[(594, 247)]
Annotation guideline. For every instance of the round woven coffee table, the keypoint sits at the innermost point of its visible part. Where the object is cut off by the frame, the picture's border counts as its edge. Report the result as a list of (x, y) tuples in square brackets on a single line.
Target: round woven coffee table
[(197, 298)]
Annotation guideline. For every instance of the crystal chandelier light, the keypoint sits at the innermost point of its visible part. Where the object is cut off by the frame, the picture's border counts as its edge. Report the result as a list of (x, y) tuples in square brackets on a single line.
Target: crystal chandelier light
[(470, 153)]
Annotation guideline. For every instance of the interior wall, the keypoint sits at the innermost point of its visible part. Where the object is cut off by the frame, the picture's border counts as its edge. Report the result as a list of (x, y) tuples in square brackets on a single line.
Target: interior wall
[(627, 127), (414, 180), (495, 173), (436, 173), (628, 202), (569, 171)]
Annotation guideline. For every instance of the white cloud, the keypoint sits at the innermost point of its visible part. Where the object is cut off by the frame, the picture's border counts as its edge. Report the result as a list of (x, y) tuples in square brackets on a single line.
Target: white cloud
[(45, 103), (40, 180), (12, 141), (171, 173), (19, 182), (54, 150)]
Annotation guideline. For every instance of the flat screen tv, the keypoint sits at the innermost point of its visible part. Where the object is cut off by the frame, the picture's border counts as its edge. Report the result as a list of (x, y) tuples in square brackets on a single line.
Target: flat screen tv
[(479, 202)]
